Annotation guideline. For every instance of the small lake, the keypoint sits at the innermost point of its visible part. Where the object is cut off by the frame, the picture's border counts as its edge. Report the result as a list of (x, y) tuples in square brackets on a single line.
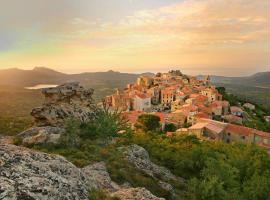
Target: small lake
[(41, 86)]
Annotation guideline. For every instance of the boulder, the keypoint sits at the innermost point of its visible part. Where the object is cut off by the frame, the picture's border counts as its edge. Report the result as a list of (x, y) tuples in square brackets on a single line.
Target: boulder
[(135, 194), (97, 177), (27, 174), (37, 135), (139, 157)]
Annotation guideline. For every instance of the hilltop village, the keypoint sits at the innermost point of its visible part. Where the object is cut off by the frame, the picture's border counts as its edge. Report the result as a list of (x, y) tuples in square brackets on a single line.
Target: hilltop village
[(193, 106)]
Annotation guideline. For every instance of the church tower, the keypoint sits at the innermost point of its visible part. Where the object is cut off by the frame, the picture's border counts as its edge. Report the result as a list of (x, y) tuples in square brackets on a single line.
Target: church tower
[(207, 80)]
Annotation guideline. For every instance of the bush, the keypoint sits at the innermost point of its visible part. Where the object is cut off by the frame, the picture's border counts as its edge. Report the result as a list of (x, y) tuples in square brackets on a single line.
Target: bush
[(100, 195), (148, 122), (170, 128), (105, 124)]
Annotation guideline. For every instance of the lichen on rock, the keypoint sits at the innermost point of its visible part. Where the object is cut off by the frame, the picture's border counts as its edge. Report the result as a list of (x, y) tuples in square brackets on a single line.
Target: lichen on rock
[(27, 174)]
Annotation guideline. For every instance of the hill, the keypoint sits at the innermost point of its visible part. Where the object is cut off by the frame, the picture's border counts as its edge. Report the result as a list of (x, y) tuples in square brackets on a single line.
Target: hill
[(254, 88), (42, 75), (103, 82), (261, 79)]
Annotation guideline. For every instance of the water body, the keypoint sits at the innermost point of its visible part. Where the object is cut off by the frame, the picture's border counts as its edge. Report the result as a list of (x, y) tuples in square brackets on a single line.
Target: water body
[(41, 86)]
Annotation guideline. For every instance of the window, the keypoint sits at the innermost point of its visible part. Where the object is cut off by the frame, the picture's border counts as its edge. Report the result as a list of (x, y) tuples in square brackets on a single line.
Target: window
[(257, 138), (265, 141), (243, 137)]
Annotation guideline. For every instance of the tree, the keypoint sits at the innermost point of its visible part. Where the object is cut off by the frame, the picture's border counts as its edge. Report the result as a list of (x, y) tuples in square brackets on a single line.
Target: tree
[(170, 127), (71, 137), (148, 122)]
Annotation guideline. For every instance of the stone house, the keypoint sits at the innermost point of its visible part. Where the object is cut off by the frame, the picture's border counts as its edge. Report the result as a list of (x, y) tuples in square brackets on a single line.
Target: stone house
[(237, 111), (145, 81), (168, 96), (249, 106), (141, 102), (212, 94)]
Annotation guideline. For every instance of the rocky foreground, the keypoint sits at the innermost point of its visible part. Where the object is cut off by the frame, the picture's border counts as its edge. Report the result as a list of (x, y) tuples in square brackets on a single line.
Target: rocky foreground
[(28, 174)]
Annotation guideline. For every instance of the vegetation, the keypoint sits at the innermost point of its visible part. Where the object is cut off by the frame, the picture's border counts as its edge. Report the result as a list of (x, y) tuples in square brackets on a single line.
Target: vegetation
[(213, 170), (148, 122), (253, 93), (100, 194), (170, 128), (253, 119), (15, 105)]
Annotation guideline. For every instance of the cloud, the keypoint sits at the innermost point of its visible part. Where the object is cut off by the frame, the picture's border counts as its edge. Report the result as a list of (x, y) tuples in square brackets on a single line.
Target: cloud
[(194, 33)]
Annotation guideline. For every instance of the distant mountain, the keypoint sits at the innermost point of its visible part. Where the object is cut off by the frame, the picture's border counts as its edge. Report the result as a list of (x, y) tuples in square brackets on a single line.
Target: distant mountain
[(261, 79), (104, 83), (42, 75), (254, 88), (19, 77)]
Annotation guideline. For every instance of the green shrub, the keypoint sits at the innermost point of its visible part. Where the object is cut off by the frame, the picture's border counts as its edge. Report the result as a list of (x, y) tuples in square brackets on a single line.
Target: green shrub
[(148, 122), (100, 195)]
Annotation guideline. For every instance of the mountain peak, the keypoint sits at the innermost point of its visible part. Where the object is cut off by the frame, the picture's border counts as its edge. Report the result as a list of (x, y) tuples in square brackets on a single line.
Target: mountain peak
[(42, 69)]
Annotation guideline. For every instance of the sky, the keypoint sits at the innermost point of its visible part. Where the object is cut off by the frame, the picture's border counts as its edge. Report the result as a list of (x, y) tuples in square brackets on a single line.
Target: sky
[(222, 37)]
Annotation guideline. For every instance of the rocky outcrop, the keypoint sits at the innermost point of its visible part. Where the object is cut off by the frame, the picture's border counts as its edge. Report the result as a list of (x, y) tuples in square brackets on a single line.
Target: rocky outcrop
[(66, 101), (139, 157), (26, 174), (69, 100), (135, 194), (99, 178), (37, 135)]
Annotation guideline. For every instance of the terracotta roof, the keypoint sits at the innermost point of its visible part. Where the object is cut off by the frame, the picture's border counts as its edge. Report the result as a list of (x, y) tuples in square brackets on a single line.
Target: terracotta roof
[(199, 125), (132, 116), (202, 115), (201, 98), (160, 115), (169, 134), (236, 109), (232, 118), (193, 95), (245, 130), (143, 95)]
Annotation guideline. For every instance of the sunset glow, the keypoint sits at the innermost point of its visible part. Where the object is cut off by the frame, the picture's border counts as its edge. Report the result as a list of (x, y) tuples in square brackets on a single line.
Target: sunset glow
[(224, 37)]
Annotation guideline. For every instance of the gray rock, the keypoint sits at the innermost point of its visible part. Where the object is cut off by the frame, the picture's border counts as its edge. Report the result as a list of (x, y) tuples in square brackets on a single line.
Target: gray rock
[(31, 175), (69, 100), (139, 157), (135, 194), (98, 177), (26, 174), (37, 135)]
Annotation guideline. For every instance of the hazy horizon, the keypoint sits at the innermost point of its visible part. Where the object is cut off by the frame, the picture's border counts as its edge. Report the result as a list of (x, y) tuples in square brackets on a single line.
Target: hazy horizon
[(192, 72), (220, 37)]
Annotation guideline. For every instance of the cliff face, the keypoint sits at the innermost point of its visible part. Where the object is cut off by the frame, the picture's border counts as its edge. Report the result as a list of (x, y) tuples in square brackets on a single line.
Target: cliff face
[(65, 101)]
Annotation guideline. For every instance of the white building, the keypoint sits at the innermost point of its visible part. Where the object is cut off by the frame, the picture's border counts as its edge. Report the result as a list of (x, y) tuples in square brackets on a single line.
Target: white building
[(249, 106), (142, 102)]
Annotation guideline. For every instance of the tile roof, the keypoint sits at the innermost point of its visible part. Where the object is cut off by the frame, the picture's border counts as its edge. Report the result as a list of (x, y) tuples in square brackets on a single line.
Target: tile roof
[(143, 95), (245, 130), (236, 109), (160, 115)]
